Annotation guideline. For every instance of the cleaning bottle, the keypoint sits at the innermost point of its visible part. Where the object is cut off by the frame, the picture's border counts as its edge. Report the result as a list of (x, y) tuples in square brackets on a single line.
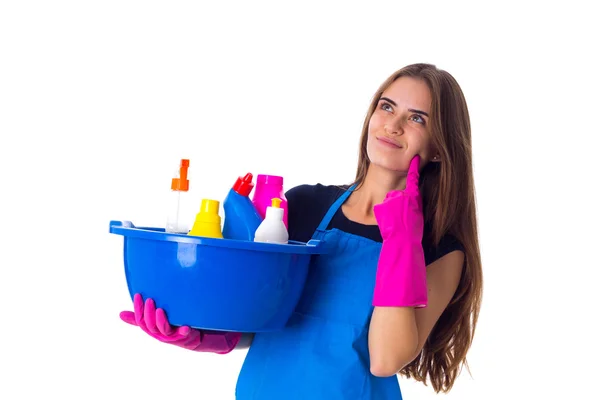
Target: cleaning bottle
[(208, 221), (241, 217), (180, 184), (272, 229), (268, 187)]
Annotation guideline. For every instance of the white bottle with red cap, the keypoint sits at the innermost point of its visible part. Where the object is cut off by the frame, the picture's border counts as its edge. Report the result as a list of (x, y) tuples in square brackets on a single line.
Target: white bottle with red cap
[(272, 229)]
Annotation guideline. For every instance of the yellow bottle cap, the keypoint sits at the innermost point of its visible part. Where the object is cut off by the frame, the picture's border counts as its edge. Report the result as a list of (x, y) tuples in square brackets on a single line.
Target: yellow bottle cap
[(275, 202), (208, 221), (209, 206)]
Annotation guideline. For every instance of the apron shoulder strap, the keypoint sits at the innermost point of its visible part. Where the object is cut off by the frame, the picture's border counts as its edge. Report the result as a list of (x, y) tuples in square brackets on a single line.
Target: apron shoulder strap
[(334, 207)]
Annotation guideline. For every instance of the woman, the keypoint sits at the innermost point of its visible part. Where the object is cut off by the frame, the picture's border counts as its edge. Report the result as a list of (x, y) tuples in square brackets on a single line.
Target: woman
[(400, 288)]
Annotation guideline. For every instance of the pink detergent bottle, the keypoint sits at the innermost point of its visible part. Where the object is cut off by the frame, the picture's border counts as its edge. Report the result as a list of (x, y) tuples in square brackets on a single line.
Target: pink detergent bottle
[(267, 188)]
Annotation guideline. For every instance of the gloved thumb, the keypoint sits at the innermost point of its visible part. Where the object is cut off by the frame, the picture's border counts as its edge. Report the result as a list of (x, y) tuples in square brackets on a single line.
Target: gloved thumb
[(129, 317)]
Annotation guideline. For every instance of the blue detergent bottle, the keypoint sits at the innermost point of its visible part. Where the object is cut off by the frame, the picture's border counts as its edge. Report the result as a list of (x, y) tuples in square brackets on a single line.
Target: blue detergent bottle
[(241, 217)]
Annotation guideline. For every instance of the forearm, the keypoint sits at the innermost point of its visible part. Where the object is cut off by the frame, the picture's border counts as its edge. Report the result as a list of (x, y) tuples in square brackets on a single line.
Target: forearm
[(393, 339)]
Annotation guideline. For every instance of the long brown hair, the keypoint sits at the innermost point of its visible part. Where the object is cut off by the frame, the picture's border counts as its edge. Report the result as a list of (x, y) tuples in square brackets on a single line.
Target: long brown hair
[(449, 208)]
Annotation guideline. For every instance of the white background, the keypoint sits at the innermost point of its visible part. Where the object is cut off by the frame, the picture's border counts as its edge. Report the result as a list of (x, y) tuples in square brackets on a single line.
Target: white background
[(100, 100)]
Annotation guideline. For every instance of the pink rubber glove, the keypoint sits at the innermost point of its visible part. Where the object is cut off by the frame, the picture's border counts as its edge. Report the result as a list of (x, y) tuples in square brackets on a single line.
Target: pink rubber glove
[(401, 279), (154, 322)]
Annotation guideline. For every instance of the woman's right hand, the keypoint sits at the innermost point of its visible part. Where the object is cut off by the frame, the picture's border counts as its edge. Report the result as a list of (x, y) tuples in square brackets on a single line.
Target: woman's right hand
[(154, 322)]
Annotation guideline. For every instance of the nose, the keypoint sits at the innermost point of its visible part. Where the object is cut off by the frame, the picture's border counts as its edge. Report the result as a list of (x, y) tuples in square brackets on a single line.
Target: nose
[(393, 127)]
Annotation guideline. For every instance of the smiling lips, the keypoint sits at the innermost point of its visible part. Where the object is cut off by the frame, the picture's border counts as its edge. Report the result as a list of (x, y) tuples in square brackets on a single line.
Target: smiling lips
[(388, 142)]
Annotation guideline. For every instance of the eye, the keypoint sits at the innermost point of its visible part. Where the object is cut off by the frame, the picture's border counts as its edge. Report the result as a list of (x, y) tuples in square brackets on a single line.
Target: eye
[(386, 107), (418, 119)]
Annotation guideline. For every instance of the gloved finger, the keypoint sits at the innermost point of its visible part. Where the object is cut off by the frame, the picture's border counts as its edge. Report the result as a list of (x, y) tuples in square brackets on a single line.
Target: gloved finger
[(162, 323), (150, 316), (138, 309), (393, 194), (168, 332), (412, 178), (184, 331), (129, 317)]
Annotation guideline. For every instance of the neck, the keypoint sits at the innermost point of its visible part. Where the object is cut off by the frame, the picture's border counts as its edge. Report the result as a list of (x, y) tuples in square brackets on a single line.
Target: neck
[(376, 185)]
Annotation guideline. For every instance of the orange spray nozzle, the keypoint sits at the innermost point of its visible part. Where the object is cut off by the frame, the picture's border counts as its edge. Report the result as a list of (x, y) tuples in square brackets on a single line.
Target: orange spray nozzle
[(182, 183)]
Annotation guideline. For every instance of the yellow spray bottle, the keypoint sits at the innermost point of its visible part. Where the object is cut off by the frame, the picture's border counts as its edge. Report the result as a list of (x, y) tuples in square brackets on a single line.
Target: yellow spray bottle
[(208, 221)]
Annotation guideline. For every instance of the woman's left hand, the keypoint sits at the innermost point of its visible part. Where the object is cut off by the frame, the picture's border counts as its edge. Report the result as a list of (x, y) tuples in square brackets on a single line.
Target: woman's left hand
[(401, 279)]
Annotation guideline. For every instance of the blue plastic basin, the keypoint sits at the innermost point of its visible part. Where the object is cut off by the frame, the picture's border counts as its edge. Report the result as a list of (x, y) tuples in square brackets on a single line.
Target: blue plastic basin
[(216, 284)]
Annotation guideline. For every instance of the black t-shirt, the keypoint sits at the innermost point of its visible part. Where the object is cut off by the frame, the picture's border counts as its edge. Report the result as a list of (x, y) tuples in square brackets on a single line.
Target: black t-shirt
[(308, 204)]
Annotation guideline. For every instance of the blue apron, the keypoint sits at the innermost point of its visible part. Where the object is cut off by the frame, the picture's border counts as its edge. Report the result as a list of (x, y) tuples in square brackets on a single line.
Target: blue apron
[(323, 351)]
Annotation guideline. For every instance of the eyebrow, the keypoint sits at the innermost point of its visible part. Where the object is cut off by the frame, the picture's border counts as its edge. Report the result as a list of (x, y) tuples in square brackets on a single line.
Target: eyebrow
[(392, 102)]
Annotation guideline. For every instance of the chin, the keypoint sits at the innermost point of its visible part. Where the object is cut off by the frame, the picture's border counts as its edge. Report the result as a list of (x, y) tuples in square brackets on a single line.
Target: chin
[(390, 162), (391, 167), (387, 163)]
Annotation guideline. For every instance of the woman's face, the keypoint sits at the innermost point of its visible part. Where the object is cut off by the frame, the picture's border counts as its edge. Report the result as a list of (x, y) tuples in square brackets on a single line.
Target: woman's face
[(399, 127)]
